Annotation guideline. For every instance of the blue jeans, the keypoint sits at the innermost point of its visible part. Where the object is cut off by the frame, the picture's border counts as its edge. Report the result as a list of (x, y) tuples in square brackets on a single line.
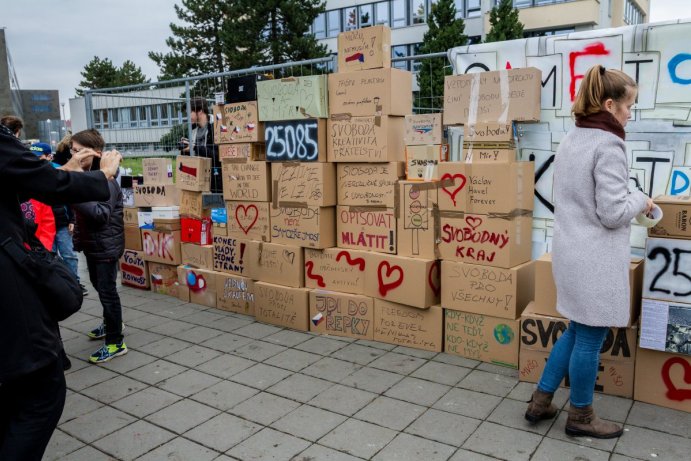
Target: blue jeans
[(63, 245), (577, 352)]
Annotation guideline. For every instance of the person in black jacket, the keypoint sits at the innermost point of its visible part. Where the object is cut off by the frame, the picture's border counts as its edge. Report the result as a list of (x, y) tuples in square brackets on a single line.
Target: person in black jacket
[(32, 383), (203, 141), (100, 234)]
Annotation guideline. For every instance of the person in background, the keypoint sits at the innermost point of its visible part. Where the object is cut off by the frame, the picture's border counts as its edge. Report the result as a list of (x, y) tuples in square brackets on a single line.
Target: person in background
[(38, 216), (62, 151), (12, 123), (591, 252), (203, 141), (99, 233)]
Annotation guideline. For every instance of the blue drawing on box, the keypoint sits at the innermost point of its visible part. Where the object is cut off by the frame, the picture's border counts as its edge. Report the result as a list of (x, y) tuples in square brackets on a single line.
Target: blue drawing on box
[(503, 333)]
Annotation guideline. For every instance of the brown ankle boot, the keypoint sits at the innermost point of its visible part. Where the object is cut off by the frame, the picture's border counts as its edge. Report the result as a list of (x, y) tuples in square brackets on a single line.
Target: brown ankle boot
[(582, 422), (540, 407)]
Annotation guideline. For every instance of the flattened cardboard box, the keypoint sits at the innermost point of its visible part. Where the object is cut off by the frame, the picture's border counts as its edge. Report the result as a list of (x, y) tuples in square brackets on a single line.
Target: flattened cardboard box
[(362, 184), (282, 306), (157, 170), (423, 129), (302, 140), (485, 240), (200, 256), (201, 283), (164, 279), (410, 281), (161, 247), (278, 264), (193, 173), (335, 269), (309, 227), (133, 269), (148, 195), (235, 293), (488, 133), (231, 255), (481, 337), (237, 123), (199, 204), (249, 181), (133, 238), (348, 315), (293, 98), (366, 228), (255, 151), (422, 162), (362, 49), (478, 97), (166, 225), (301, 183), (371, 92), (365, 138), (249, 220), (665, 380), (676, 218), (407, 326), (494, 291), (418, 219)]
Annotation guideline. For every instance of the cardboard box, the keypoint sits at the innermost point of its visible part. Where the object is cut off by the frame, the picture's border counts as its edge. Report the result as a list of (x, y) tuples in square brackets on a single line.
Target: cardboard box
[(237, 123), (423, 129), (199, 204), (166, 225), (145, 218), (230, 255), (361, 184), (522, 98), (193, 173), (201, 284), (249, 220), (198, 231), (665, 381), (277, 263), (487, 290), (247, 181), (133, 238), (298, 183), (340, 314), (481, 337), (220, 229), (255, 151), (165, 212), (410, 281), (309, 227), (362, 49), (293, 98), (676, 218), (422, 162), (296, 141), (487, 188), (365, 139), (282, 306), (161, 247), (158, 170), (418, 219), (480, 154), (371, 92), (334, 269), (366, 228), (130, 216), (200, 256), (666, 326), (407, 326), (235, 293), (243, 88), (488, 133), (164, 279), (149, 195), (133, 269), (667, 270), (485, 240)]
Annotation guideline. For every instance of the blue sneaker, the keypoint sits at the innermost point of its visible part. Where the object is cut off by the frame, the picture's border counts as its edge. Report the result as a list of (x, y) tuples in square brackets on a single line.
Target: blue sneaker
[(108, 352), (100, 331)]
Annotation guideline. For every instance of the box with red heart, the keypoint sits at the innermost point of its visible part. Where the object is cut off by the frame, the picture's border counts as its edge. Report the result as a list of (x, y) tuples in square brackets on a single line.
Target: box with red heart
[(335, 269), (249, 220), (410, 281), (666, 380)]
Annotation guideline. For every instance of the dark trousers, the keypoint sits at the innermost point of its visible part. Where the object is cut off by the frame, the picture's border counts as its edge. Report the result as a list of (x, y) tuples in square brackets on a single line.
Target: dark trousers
[(103, 276), (30, 408)]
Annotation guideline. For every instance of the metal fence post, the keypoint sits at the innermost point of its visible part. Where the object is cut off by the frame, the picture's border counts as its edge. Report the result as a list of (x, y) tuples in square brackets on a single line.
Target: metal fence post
[(189, 118), (89, 108)]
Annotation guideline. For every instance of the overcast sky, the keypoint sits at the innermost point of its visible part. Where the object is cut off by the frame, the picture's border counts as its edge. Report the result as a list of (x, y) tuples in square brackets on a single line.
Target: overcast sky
[(51, 40)]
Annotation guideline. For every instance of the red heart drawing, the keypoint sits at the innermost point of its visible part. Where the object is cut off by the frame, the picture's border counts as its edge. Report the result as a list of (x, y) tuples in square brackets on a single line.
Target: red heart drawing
[(320, 280), (453, 177), (473, 222), (360, 262), (432, 280), (384, 288), (245, 210), (673, 393)]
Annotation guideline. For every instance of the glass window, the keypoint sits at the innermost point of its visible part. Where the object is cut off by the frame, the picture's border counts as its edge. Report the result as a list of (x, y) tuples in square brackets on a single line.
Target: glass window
[(522, 3), (40, 97), (415, 65), (399, 51), (97, 119), (381, 13), (319, 26), (153, 110), (333, 22), (366, 15), (460, 8), (417, 11), (474, 9), (114, 118), (40, 108), (104, 118), (165, 114), (133, 117), (143, 119), (399, 16), (350, 18)]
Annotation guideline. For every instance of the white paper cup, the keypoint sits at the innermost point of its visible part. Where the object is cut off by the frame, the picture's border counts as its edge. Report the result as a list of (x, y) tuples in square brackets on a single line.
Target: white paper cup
[(655, 217)]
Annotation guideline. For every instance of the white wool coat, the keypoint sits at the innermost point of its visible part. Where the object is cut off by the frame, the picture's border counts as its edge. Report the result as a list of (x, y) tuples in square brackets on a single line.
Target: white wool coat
[(592, 224)]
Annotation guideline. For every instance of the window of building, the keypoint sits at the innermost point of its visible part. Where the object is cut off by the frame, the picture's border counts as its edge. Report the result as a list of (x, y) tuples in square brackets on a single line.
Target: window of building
[(319, 26), (350, 18), (40, 97), (474, 8), (155, 117), (415, 50), (381, 13), (522, 3), (400, 51), (114, 118), (143, 118), (366, 15), (632, 14), (133, 117), (165, 114), (417, 12), (460, 8), (105, 118), (40, 108), (399, 13), (548, 32), (333, 23)]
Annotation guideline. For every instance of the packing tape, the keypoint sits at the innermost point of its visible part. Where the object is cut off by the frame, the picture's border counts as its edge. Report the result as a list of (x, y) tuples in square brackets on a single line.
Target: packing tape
[(451, 214), (344, 117), (293, 205), (261, 251), (469, 154), (504, 89), (428, 185), (474, 99), (274, 194), (518, 212), (396, 199), (429, 172), (362, 209)]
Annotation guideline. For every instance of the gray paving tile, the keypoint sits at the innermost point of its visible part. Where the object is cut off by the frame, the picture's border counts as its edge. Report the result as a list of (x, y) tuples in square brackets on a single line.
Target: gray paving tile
[(168, 327), (77, 405), (198, 334), (391, 413), (288, 338), (648, 444), (146, 401), (441, 373), (308, 422), (376, 344), (493, 440), (261, 376), (617, 457), (182, 416), (157, 371), (371, 379), (226, 342), (611, 407), (180, 449), (467, 455), (134, 440), (223, 432), (468, 403), (114, 389), (452, 359), (419, 353), (164, 347), (193, 356), (488, 383), (87, 377), (557, 432), (61, 445), (406, 447), (231, 323), (264, 408), (293, 359), (204, 318), (500, 370), (143, 321), (133, 360), (87, 453), (443, 427), (300, 387), (224, 395), (331, 369), (524, 391), (358, 438), (257, 330), (319, 453), (225, 366), (97, 424), (550, 450), (343, 399), (188, 382), (511, 413), (258, 350), (136, 339), (321, 345), (397, 363), (357, 353), (660, 419), (417, 391), (128, 300), (269, 445)]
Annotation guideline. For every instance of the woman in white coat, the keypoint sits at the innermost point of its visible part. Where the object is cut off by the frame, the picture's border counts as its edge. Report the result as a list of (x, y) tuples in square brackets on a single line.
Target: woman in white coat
[(591, 252)]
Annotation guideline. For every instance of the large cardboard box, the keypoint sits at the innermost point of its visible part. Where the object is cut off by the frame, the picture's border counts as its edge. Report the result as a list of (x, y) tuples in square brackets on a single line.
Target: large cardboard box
[(407, 326), (193, 173), (133, 269), (235, 293), (485, 240), (200, 256), (157, 170), (481, 337), (309, 227), (164, 279), (676, 218), (663, 379), (293, 98), (372, 92), (298, 183), (487, 290), (365, 138), (362, 49), (161, 247), (488, 133), (254, 151), (247, 181), (133, 238), (199, 204), (282, 306), (296, 141), (479, 97), (249, 220), (422, 162), (667, 270), (231, 255), (410, 281), (666, 326), (361, 184), (237, 123), (165, 212), (243, 88), (418, 219), (341, 314), (335, 269), (201, 283), (423, 129), (366, 228), (276, 263), (148, 195)]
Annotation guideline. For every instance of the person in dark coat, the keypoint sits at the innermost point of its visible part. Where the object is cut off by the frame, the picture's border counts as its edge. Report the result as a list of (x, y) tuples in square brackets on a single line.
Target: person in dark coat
[(203, 141), (32, 382)]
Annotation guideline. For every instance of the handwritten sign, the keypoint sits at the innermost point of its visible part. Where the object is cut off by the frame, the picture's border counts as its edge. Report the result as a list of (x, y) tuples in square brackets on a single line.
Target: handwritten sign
[(407, 326), (134, 270), (481, 337), (422, 162), (347, 315), (667, 273), (335, 269), (237, 123), (293, 98), (164, 279), (361, 184), (418, 223), (277, 263), (367, 48), (155, 195), (410, 281), (161, 247), (488, 132), (371, 92), (230, 255), (235, 293), (296, 140), (365, 139), (304, 183), (664, 382), (250, 220), (423, 129), (201, 256), (283, 306), (157, 170), (311, 227), (249, 151), (247, 181), (366, 228)]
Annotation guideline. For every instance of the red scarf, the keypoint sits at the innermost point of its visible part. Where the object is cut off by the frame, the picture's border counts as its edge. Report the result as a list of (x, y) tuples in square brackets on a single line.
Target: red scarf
[(602, 120)]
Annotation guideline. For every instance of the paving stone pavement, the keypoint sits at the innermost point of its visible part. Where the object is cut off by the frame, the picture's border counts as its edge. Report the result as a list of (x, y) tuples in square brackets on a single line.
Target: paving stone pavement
[(203, 384)]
